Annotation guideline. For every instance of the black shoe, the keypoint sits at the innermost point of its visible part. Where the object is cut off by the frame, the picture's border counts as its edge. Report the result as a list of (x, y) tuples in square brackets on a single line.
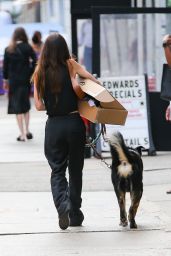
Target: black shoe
[(76, 218), (29, 136), (20, 138), (64, 220)]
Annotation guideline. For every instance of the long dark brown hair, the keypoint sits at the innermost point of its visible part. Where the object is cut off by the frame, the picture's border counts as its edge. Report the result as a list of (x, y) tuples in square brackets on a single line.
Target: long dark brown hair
[(53, 57), (18, 35), (37, 37)]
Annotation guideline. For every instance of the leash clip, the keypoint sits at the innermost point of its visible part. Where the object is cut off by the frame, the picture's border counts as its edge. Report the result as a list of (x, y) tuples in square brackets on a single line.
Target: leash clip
[(108, 165)]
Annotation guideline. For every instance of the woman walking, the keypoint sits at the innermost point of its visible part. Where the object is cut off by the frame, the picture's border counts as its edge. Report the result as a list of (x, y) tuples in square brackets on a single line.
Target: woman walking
[(65, 130), (37, 43), (18, 65)]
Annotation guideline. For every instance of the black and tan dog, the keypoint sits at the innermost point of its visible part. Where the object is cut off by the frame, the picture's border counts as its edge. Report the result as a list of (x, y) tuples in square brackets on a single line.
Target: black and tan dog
[(127, 175)]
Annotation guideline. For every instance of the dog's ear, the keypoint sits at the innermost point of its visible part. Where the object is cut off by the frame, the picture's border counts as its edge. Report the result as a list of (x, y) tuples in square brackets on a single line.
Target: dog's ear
[(139, 149)]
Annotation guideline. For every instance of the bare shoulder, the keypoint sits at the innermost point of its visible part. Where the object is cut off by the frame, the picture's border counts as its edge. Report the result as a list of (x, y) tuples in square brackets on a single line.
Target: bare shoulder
[(75, 64)]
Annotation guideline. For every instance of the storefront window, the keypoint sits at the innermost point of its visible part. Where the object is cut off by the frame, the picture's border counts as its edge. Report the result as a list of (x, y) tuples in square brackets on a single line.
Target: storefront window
[(84, 39), (131, 44)]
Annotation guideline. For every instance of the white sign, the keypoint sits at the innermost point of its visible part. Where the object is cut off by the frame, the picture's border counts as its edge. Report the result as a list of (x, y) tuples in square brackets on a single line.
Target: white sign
[(131, 93)]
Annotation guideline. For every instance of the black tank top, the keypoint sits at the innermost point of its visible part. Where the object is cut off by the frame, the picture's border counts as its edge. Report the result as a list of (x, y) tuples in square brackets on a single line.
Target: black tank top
[(65, 101)]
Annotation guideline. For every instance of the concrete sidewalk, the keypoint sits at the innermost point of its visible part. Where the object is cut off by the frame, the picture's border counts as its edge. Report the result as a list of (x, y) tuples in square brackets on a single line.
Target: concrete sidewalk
[(29, 222), (29, 226), (28, 218)]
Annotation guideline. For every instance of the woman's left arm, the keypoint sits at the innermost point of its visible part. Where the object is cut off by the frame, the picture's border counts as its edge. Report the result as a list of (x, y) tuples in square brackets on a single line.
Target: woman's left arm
[(82, 71)]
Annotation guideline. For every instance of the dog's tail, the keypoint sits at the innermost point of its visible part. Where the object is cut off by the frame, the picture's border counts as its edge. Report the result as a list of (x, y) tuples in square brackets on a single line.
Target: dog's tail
[(119, 150)]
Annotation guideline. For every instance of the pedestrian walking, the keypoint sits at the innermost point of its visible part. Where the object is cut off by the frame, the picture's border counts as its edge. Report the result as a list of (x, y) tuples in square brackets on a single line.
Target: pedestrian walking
[(37, 43), (18, 65), (167, 51), (65, 130)]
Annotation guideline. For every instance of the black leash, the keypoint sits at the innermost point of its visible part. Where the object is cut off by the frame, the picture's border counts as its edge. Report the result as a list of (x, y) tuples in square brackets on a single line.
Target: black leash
[(92, 144)]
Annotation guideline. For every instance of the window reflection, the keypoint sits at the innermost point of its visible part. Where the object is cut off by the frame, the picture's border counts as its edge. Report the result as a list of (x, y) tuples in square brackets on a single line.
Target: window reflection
[(131, 44)]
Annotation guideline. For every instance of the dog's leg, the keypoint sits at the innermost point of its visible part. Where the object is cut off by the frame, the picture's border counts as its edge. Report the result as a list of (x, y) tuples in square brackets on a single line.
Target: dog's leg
[(121, 202), (135, 200)]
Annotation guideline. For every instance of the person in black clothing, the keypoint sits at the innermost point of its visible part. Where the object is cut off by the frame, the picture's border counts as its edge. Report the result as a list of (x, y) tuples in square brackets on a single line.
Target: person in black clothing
[(167, 51), (54, 79), (18, 65)]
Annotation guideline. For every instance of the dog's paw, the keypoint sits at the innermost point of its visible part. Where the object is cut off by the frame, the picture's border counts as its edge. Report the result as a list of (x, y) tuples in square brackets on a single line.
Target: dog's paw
[(133, 224), (123, 223)]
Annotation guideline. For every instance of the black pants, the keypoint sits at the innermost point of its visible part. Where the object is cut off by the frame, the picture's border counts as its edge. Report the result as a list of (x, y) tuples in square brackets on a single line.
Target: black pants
[(64, 147)]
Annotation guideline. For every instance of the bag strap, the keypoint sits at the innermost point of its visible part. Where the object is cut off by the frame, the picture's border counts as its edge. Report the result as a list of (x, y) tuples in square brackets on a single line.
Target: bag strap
[(75, 84)]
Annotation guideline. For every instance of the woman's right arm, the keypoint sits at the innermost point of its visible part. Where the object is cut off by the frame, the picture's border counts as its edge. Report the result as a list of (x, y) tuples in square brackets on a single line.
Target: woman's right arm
[(40, 106)]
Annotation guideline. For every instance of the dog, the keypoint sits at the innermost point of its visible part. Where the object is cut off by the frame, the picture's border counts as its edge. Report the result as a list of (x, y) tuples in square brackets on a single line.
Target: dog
[(126, 176)]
